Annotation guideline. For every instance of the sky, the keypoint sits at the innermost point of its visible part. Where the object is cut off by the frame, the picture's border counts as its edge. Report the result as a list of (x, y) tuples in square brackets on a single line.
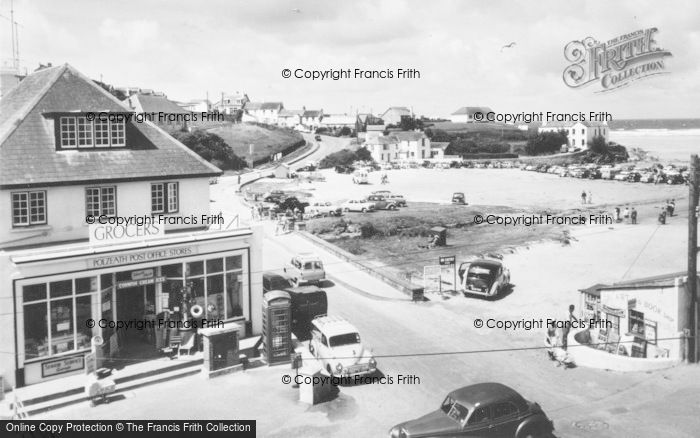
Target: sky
[(187, 49)]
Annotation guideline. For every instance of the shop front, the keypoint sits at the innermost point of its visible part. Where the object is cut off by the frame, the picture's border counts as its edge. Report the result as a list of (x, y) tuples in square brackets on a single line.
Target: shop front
[(130, 295)]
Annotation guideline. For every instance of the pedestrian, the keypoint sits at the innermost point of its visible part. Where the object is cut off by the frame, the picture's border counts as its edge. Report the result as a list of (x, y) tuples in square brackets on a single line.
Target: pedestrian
[(662, 217), (633, 215), (617, 214), (590, 197), (583, 197), (626, 214), (280, 226), (566, 327), (673, 206), (252, 212)]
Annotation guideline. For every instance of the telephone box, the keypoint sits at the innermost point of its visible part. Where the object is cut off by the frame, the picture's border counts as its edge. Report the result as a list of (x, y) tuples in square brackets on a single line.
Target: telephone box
[(277, 327)]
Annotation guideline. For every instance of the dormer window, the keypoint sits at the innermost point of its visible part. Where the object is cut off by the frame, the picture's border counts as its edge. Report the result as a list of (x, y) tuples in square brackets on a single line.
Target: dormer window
[(80, 132)]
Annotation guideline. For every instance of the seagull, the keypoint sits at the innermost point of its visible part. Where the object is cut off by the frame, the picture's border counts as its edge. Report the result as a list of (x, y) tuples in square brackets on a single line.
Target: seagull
[(508, 46), (296, 10)]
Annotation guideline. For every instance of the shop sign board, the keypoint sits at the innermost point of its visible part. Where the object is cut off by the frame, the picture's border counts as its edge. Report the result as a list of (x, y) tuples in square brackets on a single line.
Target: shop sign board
[(118, 233), (140, 257), (144, 282), (61, 366)]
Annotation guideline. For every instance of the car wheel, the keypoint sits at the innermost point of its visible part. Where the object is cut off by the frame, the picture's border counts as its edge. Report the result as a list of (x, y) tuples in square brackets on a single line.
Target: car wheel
[(392, 207), (364, 210), (346, 210), (311, 348), (328, 368)]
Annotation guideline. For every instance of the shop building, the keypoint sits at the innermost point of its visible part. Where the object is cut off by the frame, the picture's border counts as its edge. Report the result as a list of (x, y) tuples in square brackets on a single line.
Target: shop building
[(63, 280), (643, 318)]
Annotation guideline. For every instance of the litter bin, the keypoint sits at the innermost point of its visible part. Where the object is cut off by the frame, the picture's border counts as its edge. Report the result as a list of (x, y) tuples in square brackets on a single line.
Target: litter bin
[(441, 233)]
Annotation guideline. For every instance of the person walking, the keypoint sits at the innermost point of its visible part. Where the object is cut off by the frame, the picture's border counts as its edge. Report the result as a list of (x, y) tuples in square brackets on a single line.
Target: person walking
[(626, 214), (590, 197), (633, 215), (567, 327), (583, 197), (617, 214), (672, 204)]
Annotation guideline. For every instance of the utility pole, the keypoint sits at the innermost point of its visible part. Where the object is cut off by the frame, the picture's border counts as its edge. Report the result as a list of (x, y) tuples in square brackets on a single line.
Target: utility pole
[(693, 258)]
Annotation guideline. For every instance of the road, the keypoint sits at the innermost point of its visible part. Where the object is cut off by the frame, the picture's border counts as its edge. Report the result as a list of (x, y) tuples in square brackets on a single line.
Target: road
[(438, 344), (327, 145)]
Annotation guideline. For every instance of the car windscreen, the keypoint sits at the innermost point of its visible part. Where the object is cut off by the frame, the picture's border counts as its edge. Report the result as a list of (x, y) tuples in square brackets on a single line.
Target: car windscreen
[(454, 410), (345, 339), (482, 272)]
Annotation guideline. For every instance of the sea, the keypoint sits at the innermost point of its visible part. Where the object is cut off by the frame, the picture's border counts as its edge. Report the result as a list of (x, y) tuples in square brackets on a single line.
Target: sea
[(670, 140)]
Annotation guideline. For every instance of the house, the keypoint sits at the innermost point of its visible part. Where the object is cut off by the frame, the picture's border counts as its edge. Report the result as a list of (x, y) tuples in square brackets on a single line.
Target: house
[(399, 146), (384, 149), (230, 103), (373, 131), (645, 316), (366, 119), (466, 114), (105, 218), (338, 121), (289, 118), (264, 112), (164, 112), (579, 134), (394, 114), (311, 119), (437, 150)]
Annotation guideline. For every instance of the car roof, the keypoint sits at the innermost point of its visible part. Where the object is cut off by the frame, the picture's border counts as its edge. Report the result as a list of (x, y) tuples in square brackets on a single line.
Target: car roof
[(307, 256), (487, 393), (273, 276), (333, 325), (487, 263)]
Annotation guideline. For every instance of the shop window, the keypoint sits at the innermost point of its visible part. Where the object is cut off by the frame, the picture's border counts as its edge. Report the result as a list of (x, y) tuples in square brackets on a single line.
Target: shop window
[(615, 323), (195, 268), (196, 288), (234, 262), (61, 288), (83, 312), (36, 335), (233, 295), (650, 331), (636, 322), (62, 326), (34, 292), (85, 285), (172, 271), (28, 208)]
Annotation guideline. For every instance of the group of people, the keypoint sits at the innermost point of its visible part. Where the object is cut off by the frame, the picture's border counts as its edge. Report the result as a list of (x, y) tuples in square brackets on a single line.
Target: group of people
[(667, 211), (286, 221), (385, 178), (629, 216), (557, 341), (586, 198)]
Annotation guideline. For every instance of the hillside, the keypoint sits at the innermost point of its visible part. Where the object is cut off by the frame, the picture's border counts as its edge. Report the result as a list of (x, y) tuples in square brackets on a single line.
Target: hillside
[(267, 140)]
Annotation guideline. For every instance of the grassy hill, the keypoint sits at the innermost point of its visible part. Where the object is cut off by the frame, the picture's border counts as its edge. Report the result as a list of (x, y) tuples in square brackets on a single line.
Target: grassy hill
[(267, 140)]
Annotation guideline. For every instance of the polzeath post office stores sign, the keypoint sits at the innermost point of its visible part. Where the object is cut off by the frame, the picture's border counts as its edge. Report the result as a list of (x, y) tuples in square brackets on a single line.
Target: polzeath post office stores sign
[(615, 63)]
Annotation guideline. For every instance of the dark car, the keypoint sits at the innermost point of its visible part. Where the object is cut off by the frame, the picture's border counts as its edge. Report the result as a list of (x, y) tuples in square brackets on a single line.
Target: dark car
[(309, 168), (344, 169), (272, 281), (458, 198), (481, 410), (382, 203), (308, 302), (317, 137), (275, 196)]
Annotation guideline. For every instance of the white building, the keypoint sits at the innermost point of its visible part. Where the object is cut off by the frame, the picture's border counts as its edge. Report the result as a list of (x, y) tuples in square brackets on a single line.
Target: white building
[(230, 103), (289, 118), (264, 112), (58, 270), (311, 119), (338, 121), (394, 114), (579, 134), (466, 114), (399, 146)]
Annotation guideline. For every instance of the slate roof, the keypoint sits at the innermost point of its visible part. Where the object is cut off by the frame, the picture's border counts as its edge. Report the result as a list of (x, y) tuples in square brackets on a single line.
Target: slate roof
[(149, 103), (408, 135), (290, 113), (312, 113), (252, 106), (28, 155), (470, 110), (665, 280)]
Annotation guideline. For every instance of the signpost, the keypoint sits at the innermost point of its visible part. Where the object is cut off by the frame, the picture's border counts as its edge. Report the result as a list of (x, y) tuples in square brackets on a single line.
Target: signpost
[(450, 261)]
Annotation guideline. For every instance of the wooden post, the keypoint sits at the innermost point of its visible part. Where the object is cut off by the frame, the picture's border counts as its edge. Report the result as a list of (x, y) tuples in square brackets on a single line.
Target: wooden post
[(692, 258)]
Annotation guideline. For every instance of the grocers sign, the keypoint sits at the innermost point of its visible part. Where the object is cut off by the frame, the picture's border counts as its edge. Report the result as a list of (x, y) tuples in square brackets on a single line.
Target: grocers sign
[(112, 233)]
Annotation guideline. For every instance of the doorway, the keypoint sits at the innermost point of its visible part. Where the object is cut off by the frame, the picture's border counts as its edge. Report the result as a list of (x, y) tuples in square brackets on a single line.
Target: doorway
[(135, 307)]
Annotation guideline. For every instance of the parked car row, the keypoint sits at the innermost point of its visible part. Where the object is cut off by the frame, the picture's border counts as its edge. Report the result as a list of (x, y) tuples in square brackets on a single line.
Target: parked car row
[(629, 173)]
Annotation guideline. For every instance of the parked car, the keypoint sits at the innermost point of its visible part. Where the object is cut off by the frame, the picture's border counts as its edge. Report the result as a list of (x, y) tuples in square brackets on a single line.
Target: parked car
[(275, 196), (622, 176), (337, 345), (344, 169), (484, 276), (307, 168), (361, 205), (272, 281), (381, 203), (323, 209), (458, 198), (305, 268), (480, 410), (307, 302), (360, 177), (381, 192), (647, 177), (674, 177), (317, 137), (397, 199)]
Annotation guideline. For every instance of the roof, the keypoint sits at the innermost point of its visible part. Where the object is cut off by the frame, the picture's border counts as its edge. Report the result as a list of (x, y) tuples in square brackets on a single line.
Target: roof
[(381, 139), (470, 110), (290, 113), (148, 103), (28, 154), (408, 135), (658, 281), (376, 127), (398, 109), (486, 394), (487, 262), (439, 145), (333, 325), (252, 106), (312, 113)]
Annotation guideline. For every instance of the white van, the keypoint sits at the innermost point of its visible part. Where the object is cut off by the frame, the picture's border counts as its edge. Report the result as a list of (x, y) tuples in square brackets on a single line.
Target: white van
[(360, 177)]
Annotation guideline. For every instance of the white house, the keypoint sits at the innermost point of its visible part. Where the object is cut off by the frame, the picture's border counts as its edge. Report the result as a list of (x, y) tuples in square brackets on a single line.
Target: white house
[(264, 112), (399, 146), (311, 118), (394, 114), (466, 114), (61, 264), (338, 121), (579, 134), (384, 149), (196, 106), (230, 103), (289, 118)]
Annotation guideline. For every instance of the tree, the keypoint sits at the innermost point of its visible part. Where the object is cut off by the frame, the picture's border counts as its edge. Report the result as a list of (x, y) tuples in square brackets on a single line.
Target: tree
[(545, 143), (212, 148), (363, 154), (598, 145), (345, 131), (345, 157)]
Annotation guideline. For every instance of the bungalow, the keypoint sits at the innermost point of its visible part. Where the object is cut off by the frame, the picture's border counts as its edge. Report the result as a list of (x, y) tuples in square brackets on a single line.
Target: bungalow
[(289, 118), (338, 121), (230, 103), (466, 114), (196, 106), (579, 134), (394, 114), (264, 112)]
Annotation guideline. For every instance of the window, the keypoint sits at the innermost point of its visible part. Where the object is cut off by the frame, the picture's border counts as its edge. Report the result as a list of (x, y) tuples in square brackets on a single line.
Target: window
[(636, 322), (480, 415), (504, 409), (28, 208), (164, 197), (101, 201), (68, 128), (80, 132)]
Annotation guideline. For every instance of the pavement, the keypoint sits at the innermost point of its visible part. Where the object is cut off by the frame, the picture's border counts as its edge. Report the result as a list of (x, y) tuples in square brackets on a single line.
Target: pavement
[(437, 344)]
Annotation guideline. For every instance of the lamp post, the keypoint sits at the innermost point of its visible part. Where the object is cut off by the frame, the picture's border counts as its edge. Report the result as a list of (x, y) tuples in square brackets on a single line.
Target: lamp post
[(693, 258)]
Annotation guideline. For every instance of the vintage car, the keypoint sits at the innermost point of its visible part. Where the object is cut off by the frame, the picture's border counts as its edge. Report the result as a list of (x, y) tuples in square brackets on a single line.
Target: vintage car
[(397, 199), (484, 276), (381, 192), (458, 198), (361, 205), (305, 268), (480, 410), (317, 137), (337, 345), (323, 209), (382, 203), (272, 281), (360, 177), (275, 196)]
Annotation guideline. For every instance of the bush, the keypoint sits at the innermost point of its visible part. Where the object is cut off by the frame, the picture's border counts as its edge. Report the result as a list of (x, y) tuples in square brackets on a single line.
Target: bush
[(345, 157), (545, 143), (212, 148)]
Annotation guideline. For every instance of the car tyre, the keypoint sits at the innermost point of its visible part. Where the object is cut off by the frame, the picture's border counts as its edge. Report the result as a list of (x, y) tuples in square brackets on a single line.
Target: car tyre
[(364, 210)]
